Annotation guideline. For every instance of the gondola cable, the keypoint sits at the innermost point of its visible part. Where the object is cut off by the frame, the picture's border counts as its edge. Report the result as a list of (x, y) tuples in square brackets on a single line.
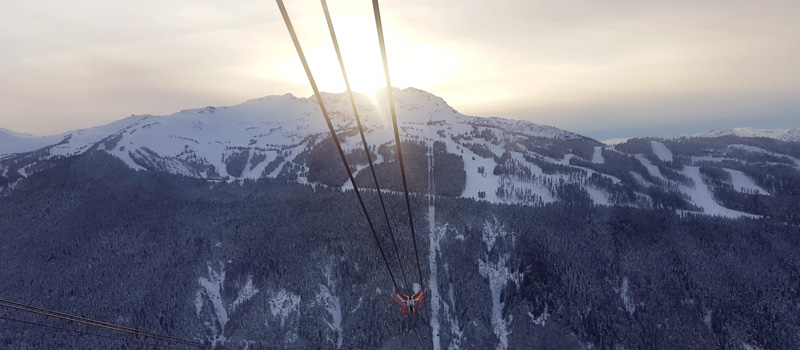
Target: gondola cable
[(296, 42), (379, 26), (100, 324), (363, 139), (154, 345)]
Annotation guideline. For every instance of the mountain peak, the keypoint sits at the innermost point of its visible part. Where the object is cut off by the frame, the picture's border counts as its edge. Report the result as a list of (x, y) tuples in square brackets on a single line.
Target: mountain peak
[(203, 142), (780, 134), (11, 133)]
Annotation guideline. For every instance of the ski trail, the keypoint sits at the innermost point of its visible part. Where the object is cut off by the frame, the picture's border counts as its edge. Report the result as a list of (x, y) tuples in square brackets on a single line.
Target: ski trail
[(433, 249)]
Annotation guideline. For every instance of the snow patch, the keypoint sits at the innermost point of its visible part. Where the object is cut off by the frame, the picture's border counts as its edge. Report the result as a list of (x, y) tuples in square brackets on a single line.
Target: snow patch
[(282, 304), (210, 292), (598, 197), (330, 301), (616, 141), (209, 297), (640, 179), (244, 294), (499, 276), (780, 134), (627, 301), (661, 151), (753, 149), (597, 157), (540, 320), (702, 196), (436, 236), (456, 333), (741, 182)]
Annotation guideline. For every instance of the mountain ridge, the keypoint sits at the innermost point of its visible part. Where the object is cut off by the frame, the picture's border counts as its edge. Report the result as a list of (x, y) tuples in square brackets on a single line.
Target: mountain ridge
[(491, 159), (779, 134)]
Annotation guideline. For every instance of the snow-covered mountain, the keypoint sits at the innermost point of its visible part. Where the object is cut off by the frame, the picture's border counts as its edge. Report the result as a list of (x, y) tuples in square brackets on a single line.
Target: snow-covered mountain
[(492, 159), (204, 142), (779, 134)]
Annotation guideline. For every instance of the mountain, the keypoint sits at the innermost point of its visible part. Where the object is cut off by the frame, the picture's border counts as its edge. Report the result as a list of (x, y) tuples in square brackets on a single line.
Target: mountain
[(779, 134), (257, 138), (494, 159), (235, 226)]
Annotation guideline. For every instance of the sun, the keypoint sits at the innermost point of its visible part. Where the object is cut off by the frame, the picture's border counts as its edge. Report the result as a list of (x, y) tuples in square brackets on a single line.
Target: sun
[(358, 43), (414, 61)]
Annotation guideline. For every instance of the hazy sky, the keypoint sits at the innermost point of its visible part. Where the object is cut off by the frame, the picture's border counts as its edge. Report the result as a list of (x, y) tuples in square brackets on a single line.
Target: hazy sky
[(601, 68)]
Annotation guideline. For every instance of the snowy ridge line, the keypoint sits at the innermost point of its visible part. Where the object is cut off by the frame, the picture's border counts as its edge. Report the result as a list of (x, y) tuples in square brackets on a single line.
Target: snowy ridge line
[(268, 125), (779, 134), (263, 138)]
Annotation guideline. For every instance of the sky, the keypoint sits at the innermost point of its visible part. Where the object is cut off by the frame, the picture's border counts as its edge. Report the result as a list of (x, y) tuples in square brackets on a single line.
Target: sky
[(600, 68)]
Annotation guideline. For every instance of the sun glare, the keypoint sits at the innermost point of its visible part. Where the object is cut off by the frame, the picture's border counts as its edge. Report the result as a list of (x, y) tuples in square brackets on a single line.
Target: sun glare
[(413, 62), (361, 53)]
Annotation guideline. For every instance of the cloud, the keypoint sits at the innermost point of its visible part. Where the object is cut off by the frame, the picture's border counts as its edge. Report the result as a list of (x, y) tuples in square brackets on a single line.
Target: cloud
[(83, 63)]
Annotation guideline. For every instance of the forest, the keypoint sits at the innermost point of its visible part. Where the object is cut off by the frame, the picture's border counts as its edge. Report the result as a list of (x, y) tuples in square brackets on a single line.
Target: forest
[(149, 250)]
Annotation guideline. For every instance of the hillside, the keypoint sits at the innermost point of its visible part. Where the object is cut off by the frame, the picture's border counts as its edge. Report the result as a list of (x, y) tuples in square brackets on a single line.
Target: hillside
[(492, 159), (235, 227)]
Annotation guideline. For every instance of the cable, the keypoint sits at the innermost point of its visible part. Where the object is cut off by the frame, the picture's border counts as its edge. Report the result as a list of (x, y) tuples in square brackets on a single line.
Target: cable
[(88, 321), (363, 139), (333, 133), (155, 345), (396, 132), (100, 324)]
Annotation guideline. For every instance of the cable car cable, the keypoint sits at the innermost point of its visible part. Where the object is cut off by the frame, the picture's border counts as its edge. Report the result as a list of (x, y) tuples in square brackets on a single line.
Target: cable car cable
[(154, 345), (333, 134), (377, 11), (96, 323), (363, 139)]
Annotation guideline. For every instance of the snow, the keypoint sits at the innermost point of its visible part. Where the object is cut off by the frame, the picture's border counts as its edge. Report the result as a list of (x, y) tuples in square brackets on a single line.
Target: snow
[(661, 151), (740, 182), (477, 182), (753, 149), (780, 134), (198, 302), (195, 142), (328, 299), (598, 197), (708, 317), (696, 159), (652, 169), (244, 294), (537, 186), (282, 304), (615, 141), (640, 179), (457, 334), (499, 276), (211, 290), (702, 196), (13, 142), (597, 157), (540, 320), (433, 250), (627, 301), (747, 346)]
